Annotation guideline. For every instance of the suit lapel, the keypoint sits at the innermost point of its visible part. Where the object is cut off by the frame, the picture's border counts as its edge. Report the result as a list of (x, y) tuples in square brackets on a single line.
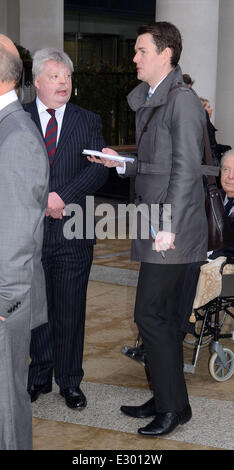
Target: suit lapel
[(70, 120)]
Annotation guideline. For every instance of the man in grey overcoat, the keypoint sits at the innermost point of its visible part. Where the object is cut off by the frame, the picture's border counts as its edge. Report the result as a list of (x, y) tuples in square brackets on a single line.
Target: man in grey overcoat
[(168, 173), (24, 174)]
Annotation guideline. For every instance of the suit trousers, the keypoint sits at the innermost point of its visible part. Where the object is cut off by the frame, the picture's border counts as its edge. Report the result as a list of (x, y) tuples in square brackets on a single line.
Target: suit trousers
[(157, 316), (58, 344), (15, 405)]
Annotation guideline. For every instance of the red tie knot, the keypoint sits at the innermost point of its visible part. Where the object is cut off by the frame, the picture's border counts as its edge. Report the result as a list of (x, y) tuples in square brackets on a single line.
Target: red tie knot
[(51, 111)]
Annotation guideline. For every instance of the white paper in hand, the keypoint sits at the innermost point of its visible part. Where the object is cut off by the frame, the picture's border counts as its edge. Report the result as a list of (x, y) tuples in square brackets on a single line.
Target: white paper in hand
[(117, 158)]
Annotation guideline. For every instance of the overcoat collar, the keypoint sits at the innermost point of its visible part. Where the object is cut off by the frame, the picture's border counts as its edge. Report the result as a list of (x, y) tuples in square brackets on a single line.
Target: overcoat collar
[(137, 97)]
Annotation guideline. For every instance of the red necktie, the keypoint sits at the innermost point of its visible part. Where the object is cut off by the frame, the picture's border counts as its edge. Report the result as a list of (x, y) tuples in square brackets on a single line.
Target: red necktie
[(51, 135)]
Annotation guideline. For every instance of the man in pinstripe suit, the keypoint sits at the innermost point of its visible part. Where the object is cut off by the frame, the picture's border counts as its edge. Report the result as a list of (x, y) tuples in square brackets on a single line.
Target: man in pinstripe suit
[(58, 345)]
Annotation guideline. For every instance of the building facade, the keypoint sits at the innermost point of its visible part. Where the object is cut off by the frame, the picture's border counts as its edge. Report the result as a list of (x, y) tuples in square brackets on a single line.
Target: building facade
[(207, 31)]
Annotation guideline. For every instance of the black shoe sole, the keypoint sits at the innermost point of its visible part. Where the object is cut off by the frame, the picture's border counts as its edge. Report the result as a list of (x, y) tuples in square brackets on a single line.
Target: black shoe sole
[(79, 408), (166, 431)]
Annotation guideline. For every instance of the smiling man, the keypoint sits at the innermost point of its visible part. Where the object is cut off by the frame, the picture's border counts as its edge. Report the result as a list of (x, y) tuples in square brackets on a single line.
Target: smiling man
[(67, 130), (227, 183), (227, 173)]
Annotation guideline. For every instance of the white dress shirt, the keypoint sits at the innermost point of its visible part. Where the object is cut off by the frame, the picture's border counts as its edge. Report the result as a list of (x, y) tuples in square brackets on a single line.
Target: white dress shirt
[(152, 90), (8, 98), (45, 116)]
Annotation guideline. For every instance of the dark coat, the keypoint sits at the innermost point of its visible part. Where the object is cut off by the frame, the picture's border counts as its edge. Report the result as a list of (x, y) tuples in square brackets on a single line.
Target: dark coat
[(227, 251), (217, 150), (72, 176), (168, 168)]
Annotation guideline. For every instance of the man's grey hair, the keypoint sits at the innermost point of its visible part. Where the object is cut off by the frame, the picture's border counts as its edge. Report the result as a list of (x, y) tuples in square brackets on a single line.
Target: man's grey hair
[(11, 66), (225, 155), (49, 53)]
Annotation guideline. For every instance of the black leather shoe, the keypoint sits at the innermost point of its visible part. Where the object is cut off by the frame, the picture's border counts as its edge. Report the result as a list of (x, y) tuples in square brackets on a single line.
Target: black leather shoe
[(143, 411), (36, 390), (164, 423), (74, 397)]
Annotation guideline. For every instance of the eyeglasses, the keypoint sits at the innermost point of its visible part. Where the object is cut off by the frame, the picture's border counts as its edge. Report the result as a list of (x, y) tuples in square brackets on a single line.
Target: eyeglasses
[(227, 171)]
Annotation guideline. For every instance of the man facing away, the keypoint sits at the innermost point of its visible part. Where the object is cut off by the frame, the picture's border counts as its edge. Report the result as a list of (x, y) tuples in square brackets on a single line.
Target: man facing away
[(168, 171), (24, 175), (68, 129)]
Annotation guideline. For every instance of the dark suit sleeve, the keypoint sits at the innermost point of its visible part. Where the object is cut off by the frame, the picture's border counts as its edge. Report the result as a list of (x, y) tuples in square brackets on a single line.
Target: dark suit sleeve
[(92, 175), (227, 251)]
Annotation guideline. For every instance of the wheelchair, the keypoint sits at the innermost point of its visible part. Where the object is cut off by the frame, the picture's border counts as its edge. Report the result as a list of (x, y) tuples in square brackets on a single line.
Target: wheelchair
[(211, 309)]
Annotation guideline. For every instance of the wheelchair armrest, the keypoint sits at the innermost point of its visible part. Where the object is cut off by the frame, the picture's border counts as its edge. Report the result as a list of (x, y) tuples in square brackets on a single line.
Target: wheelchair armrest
[(229, 260)]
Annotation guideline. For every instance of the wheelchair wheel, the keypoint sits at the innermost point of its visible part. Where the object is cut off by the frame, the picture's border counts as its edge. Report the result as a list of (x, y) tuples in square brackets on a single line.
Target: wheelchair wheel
[(217, 369)]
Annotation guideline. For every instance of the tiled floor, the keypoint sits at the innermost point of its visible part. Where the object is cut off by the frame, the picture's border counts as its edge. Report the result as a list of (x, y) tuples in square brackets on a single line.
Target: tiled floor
[(109, 327)]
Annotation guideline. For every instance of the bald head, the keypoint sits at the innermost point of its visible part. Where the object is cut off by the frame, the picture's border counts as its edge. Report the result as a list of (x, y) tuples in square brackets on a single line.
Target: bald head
[(10, 65), (8, 45)]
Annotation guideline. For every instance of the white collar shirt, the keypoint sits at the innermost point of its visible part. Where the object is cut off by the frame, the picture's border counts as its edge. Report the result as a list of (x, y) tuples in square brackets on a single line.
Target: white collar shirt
[(8, 98), (152, 90)]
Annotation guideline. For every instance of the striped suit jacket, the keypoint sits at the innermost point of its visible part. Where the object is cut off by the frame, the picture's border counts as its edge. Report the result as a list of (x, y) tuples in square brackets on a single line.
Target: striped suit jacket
[(72, 176)]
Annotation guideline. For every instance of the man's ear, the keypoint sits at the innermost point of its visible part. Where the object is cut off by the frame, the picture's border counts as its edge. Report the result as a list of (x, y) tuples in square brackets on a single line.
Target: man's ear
[(167, 53), (35, 82)]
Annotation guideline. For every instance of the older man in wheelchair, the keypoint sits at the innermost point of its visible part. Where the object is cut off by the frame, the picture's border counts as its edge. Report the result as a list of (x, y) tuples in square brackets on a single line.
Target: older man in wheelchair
[(207, 297)]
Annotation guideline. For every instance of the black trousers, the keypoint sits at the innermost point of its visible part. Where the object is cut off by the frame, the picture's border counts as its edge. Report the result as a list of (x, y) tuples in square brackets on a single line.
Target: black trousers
[(58, 344), (157, 316)]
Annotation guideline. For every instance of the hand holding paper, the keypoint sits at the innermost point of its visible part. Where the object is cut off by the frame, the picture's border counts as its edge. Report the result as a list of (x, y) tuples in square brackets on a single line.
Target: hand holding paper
[(107, 157)]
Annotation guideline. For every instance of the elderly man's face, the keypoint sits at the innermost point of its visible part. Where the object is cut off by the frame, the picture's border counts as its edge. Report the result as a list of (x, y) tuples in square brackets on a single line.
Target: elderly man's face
[(54, 84), (227, 175)]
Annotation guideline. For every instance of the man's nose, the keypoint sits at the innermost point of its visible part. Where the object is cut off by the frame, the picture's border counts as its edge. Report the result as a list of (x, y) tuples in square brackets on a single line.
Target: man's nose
[(135, 58), (63, 78)]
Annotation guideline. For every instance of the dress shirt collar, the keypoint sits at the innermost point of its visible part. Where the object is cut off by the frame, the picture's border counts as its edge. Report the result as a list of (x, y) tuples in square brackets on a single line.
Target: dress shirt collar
[(152, 90), (8, 98), (42, 108)]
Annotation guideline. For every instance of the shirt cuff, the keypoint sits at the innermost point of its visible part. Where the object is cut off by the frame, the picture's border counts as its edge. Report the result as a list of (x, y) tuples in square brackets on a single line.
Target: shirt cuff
[(121, 169)]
